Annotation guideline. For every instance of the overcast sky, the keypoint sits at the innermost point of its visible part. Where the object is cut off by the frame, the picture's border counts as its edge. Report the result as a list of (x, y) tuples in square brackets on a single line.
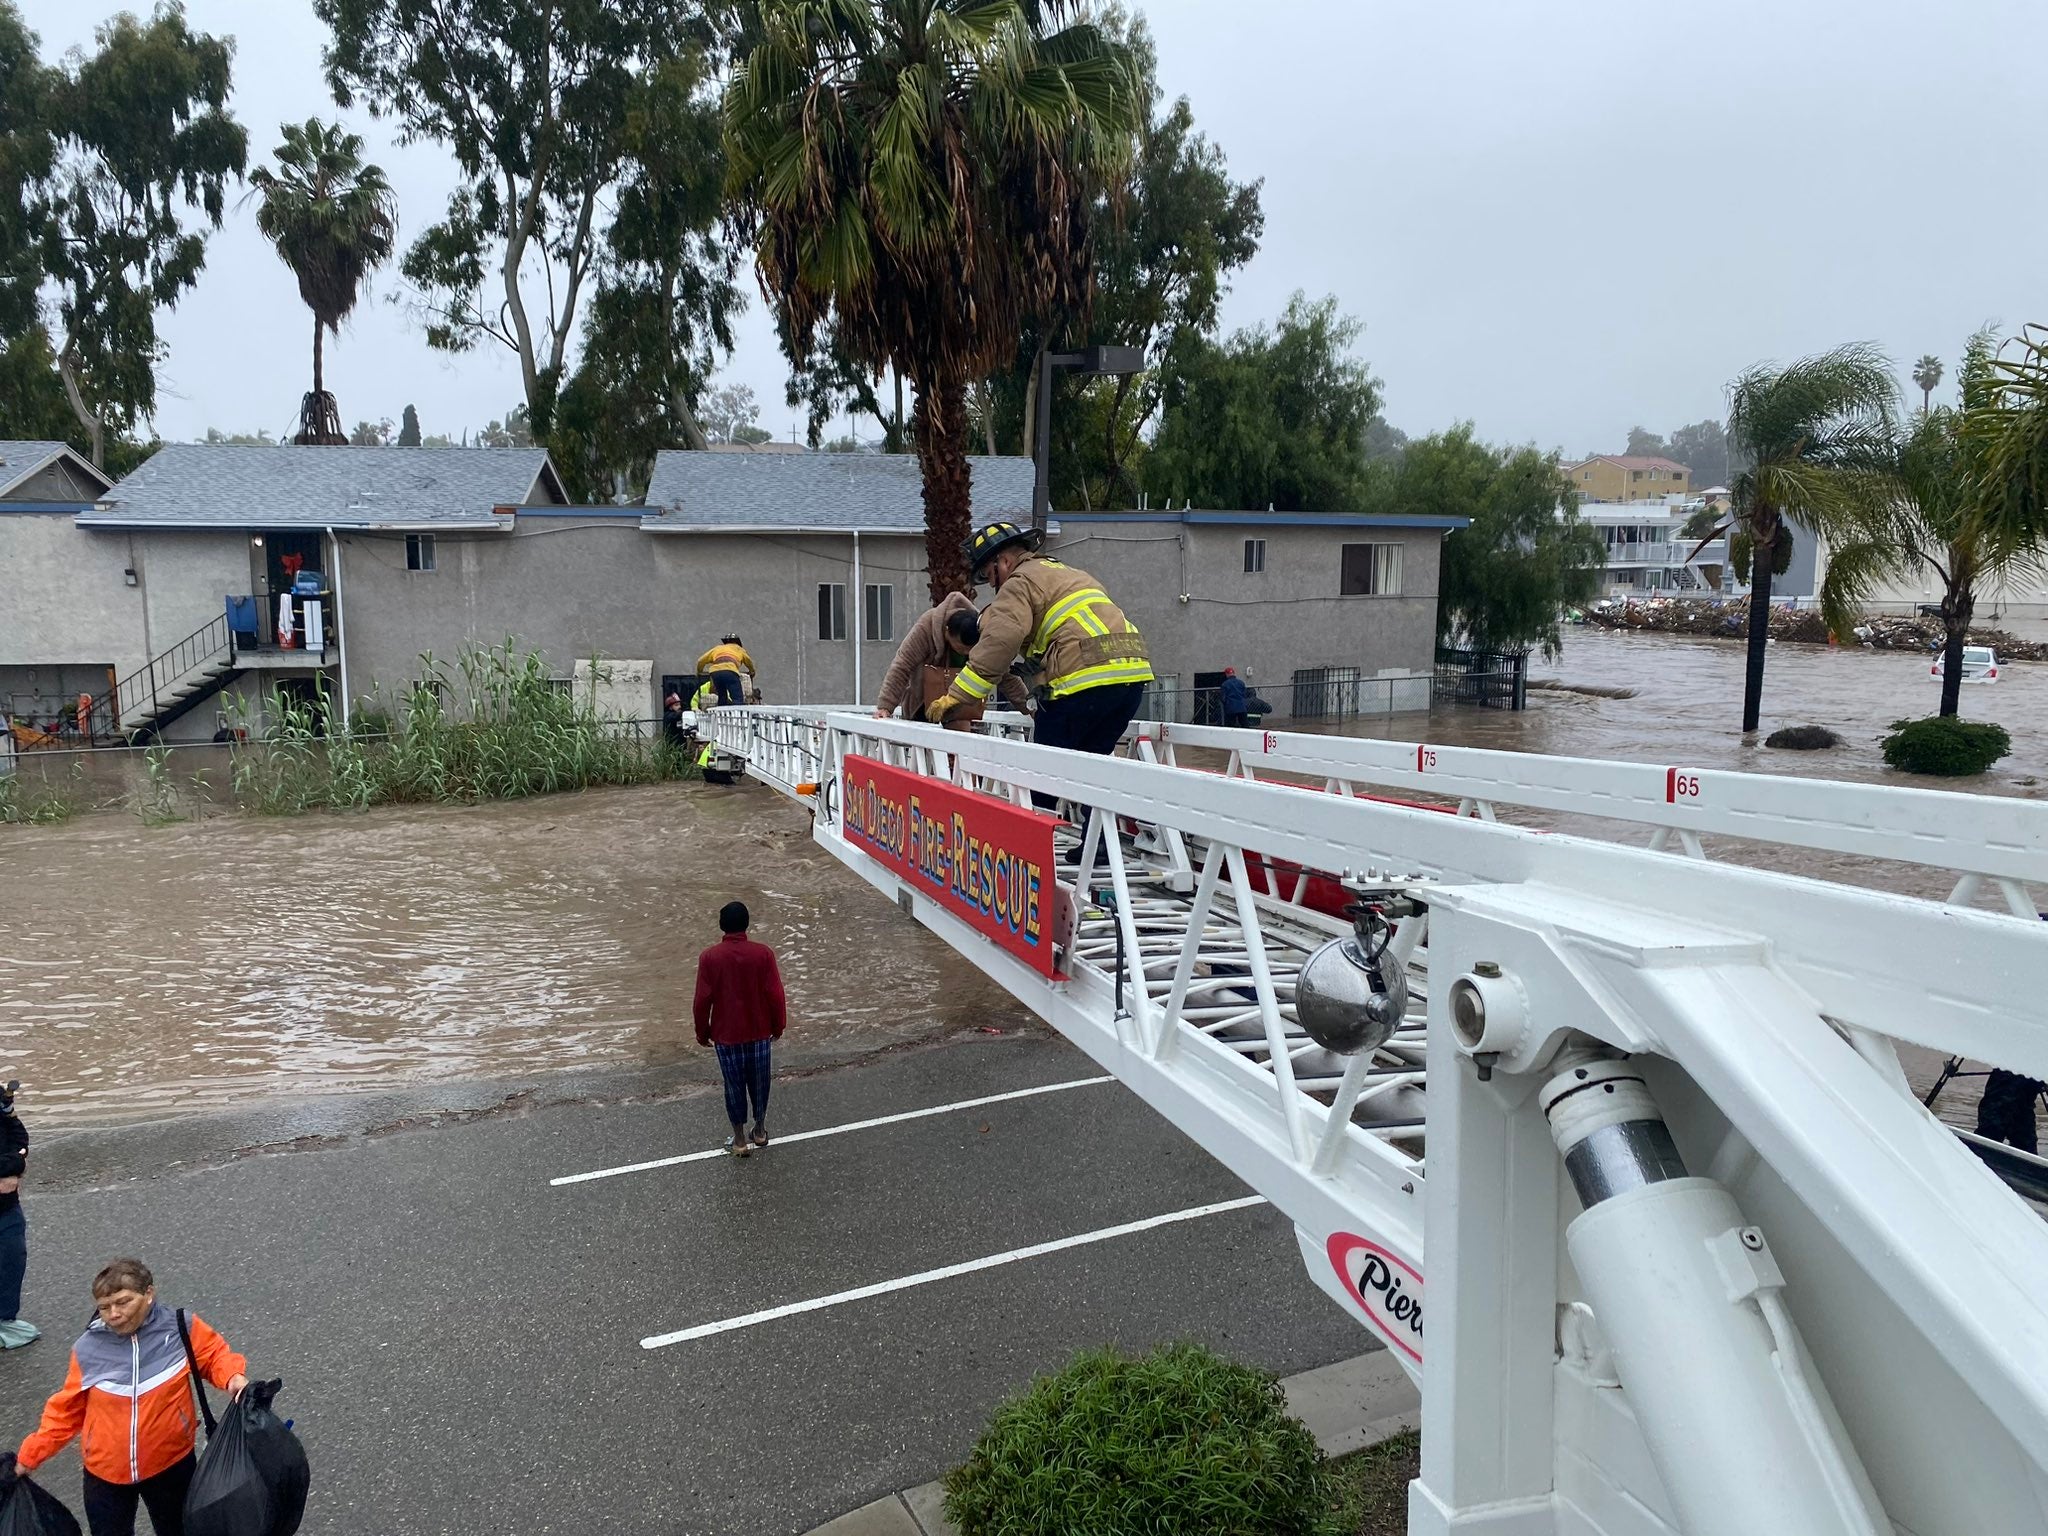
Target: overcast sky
[(1555, 220)]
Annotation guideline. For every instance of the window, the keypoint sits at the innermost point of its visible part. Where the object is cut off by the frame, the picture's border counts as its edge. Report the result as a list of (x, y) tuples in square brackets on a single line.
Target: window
[(1635, 474), (831, 611), (878, 609), (419, 551), (1254, 554), (1371, 570)]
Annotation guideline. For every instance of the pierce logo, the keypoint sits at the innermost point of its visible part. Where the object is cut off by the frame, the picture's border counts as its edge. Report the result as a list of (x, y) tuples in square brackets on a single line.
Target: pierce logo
[(1387, 1287)]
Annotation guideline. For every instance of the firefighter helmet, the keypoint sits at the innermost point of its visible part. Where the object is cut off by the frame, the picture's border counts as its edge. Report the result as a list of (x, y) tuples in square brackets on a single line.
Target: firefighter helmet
[(985, 543)]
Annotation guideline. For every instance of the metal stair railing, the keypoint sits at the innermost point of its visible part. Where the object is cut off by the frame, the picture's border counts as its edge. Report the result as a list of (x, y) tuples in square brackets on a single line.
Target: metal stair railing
[(143, 691)]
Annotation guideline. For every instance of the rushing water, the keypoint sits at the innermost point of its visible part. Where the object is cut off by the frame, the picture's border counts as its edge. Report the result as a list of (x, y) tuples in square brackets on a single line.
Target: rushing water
[(145, 971)]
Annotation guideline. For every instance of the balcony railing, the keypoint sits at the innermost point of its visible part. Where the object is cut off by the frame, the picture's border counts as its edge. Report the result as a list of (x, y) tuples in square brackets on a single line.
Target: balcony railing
[(1673, 552), (253, 619)]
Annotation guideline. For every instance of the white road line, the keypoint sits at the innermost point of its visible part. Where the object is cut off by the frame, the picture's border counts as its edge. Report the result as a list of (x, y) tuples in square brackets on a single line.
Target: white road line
[(839, 1130), (883, 1287)]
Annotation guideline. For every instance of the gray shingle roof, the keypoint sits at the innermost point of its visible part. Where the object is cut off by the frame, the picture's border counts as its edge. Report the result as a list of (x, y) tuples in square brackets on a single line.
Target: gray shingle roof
[(817, 490), (22, 458), (281, 486)]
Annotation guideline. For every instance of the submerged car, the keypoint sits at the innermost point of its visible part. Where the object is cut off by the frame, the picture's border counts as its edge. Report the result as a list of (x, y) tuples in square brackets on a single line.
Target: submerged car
[(1980, 664)]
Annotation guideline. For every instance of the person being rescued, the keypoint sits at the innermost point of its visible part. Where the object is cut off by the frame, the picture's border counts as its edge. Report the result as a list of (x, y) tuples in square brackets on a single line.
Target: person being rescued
[(721, 666), (943, 636), (1094, 661)]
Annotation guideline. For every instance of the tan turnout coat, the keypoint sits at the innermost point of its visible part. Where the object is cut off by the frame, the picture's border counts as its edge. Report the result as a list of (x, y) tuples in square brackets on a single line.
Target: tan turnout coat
[(1059, 619)]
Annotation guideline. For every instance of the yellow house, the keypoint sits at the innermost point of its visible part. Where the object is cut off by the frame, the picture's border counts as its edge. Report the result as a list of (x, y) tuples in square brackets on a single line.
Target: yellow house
[(1621, 477)]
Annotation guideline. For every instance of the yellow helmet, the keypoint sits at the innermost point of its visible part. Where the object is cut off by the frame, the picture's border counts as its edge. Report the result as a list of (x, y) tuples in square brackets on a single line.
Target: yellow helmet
[(984, 544)]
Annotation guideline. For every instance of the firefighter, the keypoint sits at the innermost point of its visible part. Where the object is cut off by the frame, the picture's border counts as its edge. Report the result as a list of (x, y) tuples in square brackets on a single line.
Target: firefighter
[(1093, 659), (722, 665)]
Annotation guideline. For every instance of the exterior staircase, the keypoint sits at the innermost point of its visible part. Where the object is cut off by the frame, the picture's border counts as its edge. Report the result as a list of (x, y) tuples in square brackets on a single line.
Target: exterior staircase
[(164, 687)]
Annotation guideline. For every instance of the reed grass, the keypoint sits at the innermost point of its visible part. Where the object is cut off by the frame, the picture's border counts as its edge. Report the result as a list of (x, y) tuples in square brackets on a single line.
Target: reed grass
[(493, 726), (29, 799)]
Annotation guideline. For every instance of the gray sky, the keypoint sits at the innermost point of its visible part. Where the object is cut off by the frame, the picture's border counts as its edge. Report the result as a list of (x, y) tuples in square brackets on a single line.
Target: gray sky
[(1554, 219)]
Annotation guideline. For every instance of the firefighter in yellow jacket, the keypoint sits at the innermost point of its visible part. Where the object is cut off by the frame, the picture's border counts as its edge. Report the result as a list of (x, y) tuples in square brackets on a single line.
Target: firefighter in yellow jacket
[(721, 667), (1093, 659)]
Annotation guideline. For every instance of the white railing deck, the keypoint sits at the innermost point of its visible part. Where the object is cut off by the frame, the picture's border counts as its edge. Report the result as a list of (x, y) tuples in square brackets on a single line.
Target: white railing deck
[(1772, 1000)]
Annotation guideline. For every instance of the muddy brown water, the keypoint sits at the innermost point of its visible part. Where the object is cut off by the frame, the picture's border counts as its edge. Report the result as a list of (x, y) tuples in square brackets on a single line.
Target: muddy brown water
[(149, 971), (169, 969)]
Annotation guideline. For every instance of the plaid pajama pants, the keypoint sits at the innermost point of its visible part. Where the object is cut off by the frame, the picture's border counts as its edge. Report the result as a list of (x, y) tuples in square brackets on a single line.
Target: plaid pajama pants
[(746, 1070)]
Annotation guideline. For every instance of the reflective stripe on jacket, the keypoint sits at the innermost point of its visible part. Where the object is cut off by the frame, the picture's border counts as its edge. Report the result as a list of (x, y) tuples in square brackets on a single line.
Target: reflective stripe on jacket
[(1058, 618), (130, 1400), (726, 658)]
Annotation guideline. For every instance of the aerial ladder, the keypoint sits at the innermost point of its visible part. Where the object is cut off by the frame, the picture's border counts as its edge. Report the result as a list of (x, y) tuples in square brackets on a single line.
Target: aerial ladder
[(1626, 1121)]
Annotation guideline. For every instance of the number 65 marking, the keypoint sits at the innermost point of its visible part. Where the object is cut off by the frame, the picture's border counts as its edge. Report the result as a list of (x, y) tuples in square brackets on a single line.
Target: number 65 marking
[(1682, 786)]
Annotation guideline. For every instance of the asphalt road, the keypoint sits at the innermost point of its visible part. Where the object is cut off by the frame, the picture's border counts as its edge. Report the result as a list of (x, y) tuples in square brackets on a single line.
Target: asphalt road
[(461, 1342)]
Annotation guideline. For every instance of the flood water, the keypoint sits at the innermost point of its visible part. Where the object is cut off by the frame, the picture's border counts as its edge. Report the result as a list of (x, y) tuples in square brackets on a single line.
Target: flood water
[(150, 970), (146, 971)]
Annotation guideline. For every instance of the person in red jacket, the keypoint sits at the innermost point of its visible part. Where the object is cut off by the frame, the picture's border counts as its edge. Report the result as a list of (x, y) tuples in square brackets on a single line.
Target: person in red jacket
[(740, 1011), (128, 1399)]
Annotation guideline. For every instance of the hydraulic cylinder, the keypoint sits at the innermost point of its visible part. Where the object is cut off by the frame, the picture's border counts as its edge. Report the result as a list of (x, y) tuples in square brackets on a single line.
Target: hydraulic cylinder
[(1691, 1301)]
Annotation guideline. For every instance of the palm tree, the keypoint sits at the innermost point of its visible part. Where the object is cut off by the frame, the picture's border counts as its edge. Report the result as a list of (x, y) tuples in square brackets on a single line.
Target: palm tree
[(918, 174), (1947, 518), (1817, 438), (2011, 425), (1927, 374), (333, 220)]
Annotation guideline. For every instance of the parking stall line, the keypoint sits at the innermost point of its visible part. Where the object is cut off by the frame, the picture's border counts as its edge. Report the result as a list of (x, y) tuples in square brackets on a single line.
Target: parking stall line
[(948, 1272), (836, 1130)]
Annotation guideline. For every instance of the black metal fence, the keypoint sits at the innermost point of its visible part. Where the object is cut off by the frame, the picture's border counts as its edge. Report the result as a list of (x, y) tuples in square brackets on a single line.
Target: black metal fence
[(1490, 679), (1333, 693)]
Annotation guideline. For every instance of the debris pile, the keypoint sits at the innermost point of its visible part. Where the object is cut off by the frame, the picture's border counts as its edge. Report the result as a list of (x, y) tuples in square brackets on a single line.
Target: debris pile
[(1803, 738), (1728, 619)]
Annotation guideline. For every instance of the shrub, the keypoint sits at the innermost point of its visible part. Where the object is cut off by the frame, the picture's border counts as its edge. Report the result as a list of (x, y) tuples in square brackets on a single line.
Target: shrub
[(1945, 744), (1803, 738), (497, 727), (1178, 1440)]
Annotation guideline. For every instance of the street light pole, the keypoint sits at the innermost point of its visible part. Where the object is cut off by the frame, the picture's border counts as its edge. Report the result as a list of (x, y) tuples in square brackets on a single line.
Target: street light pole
[(1095, 360)]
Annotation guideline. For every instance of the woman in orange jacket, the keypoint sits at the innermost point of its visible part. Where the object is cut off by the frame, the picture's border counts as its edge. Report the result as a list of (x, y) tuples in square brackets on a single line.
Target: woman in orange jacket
[(128, 1399)]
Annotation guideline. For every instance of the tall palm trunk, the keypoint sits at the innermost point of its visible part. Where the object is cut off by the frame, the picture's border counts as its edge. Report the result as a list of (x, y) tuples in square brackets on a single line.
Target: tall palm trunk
[(319, 385), (1762, 554), (939, 425), (1957, 609)]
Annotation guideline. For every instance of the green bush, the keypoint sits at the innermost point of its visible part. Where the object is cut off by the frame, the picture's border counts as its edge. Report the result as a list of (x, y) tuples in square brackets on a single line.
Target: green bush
[(1945, 744), (1178, 1440)]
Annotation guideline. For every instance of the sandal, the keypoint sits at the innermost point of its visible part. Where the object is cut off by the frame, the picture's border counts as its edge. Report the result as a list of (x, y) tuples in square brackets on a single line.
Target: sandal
[(759, 1138), (737, 1147)]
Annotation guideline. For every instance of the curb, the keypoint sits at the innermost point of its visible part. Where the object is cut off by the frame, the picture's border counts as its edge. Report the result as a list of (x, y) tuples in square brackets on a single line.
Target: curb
[(1346, 1406)]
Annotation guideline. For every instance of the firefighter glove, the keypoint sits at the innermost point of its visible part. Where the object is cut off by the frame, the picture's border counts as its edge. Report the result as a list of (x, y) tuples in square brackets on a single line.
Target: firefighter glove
[(939, 708)]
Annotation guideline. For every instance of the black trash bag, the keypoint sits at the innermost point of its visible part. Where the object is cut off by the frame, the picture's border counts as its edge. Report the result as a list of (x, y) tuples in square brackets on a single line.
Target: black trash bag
[(29, 1509), (253, 1474)]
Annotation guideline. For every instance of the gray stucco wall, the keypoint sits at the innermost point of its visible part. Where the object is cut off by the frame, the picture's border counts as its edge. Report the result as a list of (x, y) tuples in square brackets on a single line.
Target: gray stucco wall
[(574, 587), (66, 600), (1268, 624), (580, 585)]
